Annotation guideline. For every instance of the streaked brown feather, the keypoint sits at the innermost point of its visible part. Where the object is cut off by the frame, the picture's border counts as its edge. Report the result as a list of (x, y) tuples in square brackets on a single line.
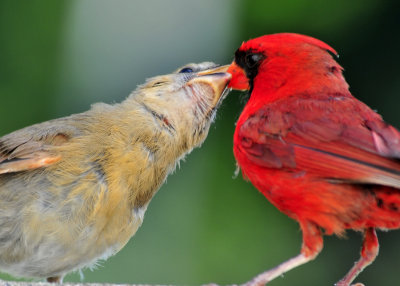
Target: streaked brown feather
[(21, 153)]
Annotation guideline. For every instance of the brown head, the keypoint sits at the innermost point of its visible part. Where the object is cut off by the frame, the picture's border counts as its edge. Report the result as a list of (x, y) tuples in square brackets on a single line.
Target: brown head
[(185, 102)]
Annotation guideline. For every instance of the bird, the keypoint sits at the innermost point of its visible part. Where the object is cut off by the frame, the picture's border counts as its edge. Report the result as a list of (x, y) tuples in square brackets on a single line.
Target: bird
[(318, 154), (74, 190)]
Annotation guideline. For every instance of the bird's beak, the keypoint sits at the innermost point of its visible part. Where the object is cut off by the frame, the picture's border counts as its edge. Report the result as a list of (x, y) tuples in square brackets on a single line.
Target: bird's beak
[(239, 79), (216, 78)]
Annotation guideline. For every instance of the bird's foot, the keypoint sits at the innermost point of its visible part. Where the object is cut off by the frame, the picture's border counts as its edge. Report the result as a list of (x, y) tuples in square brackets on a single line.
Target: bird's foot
[(55, 279), (271, 274), (345, 283)]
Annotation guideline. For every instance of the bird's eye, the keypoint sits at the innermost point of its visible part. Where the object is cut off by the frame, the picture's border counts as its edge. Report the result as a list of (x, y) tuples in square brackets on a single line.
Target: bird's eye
[(252, 60), (186, 70), (158, 83)]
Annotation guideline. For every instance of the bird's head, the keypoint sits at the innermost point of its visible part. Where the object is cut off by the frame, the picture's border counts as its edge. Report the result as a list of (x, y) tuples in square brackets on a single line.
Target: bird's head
[(284, 60), (184, 103)]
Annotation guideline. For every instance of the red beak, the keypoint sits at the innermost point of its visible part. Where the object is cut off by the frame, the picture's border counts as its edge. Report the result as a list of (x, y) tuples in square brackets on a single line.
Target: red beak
[(239, 80)]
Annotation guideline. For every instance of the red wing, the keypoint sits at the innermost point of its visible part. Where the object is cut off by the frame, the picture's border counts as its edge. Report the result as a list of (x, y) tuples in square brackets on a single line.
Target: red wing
[(31, 147), (337, 138)]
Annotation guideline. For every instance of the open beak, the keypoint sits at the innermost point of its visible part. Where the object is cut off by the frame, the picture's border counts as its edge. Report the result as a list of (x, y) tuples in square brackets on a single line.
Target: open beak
[(216, 78), (220, 69), (239, 79)]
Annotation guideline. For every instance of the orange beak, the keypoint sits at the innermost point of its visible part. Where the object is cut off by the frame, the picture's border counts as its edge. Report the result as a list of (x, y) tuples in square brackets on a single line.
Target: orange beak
[(239, 80)]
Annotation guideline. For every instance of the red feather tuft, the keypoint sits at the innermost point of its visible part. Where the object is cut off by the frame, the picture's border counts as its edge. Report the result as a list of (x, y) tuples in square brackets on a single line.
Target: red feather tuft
[(282, 39)]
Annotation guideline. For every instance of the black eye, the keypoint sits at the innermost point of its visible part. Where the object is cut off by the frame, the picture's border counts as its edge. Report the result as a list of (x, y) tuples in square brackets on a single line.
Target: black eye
[(252, 60), (186, 70), (158, 83)]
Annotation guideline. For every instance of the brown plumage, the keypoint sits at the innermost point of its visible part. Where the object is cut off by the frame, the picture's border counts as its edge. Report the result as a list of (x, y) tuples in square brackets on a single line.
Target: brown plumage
[(74, 190)]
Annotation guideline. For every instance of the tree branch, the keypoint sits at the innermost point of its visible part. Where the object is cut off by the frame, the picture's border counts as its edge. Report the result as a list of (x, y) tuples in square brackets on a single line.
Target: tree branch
[(21, 283)]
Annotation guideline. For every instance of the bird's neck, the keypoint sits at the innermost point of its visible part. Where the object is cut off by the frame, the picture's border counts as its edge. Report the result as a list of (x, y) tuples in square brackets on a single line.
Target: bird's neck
[(278, 86), (144, 150)]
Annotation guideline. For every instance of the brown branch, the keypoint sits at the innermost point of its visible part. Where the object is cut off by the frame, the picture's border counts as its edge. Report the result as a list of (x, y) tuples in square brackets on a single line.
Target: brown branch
[(21, 283)]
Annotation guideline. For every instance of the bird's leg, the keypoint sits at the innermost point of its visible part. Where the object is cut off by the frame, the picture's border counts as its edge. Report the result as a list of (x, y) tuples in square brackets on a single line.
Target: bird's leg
[(369, 251), (312, 245), (55, 279)]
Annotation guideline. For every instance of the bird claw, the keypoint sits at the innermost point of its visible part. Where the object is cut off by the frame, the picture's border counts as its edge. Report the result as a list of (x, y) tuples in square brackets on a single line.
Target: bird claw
[(255, 283), (346, 284)]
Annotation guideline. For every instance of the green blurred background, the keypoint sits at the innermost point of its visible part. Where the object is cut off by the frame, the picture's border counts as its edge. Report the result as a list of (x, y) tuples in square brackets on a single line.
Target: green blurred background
[(58, 57)]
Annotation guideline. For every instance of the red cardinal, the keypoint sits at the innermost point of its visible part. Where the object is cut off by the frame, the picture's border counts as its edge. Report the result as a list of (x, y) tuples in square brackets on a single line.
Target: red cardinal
[(314, 151)]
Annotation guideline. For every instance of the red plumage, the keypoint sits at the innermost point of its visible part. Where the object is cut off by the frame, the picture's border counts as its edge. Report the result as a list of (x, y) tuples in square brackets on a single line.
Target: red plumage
[(317, 153)]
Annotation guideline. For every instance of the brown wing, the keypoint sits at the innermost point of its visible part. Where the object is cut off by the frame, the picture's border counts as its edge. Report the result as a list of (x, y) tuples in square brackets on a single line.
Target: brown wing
[(31, 147), (337, 138)]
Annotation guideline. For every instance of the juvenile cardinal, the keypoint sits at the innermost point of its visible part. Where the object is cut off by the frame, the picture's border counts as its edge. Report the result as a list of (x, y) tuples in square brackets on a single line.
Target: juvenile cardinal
[(74, 190), (314, 151)]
